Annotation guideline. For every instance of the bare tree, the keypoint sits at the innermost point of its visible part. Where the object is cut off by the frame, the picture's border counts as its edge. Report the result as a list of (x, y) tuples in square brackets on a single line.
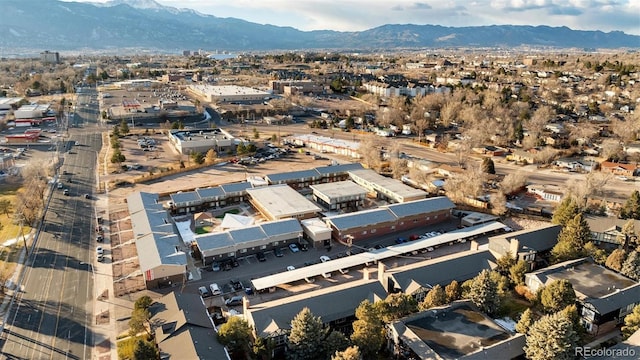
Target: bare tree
[(499, 203), (593, 184), (513, 182), (541, 117), (611, 149), (369, 152), (449, 113)]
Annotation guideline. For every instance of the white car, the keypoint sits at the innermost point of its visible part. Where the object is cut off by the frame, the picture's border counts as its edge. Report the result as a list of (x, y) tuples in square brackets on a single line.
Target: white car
[(99, 250), (290, 268), (215, 289), (324, 258)]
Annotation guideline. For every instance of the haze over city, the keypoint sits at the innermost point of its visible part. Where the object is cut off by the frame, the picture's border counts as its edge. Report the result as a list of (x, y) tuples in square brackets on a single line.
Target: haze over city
[(358, 15)]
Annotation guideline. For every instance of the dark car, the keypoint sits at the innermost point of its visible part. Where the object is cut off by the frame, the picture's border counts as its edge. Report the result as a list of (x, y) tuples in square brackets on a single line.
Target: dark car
[(378, 247), (261, 257), (303, 246), (236, 285), (401, 240), (236, 300), (278, 252), (414, 237)]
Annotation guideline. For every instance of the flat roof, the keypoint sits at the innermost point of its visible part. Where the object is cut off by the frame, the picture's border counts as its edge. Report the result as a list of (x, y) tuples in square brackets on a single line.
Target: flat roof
[(366, 257), (591, 279), (227, 90), (388, 186), (339, 189), (452, 332), (282, 201), (361, 218)]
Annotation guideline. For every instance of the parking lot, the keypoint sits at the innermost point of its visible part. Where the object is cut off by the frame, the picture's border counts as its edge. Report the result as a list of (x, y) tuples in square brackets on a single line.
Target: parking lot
[(250, 267)]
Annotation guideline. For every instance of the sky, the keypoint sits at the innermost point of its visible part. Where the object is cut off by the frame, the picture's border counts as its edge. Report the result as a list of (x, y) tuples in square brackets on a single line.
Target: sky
[(358, 15)]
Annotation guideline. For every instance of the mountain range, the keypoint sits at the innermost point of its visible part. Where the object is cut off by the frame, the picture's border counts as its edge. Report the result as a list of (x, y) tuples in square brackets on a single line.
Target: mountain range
[(145, 24)]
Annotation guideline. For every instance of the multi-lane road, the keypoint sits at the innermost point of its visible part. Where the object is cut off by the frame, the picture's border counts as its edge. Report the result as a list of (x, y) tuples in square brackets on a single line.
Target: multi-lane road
[(50, 317)]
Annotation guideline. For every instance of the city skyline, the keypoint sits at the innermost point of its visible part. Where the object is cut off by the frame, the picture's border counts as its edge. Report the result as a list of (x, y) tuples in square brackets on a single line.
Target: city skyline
[(358, 15)]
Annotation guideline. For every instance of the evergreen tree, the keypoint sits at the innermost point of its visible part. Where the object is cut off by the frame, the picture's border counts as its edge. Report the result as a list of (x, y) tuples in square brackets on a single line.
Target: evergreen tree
[(396, 306), (525, 322), (616, 259), (235, 334), (305, 341), (453, 291), (350, 353), (571, 313), (143, 302), (335, 342), (551, 337), (488, 167), (484, 293), (517, 271), (566, 211), (124, 127), (597, 254), (571, 240), (139, 321), (368, 331), (631, 266), (435, 297), (211, 156), (263, 348), (557, 295), (631, 208), (505, 262), (631, 322), (144, 350), (627, 236)]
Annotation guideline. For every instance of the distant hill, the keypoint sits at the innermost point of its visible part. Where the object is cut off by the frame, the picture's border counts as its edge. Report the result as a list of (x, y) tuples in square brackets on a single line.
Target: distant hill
[(145, 24)]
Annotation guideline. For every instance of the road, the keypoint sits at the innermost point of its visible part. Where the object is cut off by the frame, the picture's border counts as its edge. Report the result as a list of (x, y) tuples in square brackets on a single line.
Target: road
[(51, 315)]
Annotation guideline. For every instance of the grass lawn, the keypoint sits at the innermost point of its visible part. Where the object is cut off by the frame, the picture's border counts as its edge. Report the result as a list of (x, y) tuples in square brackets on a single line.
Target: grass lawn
[(203, 230), (9, 230), (513, 307), (230, 211)]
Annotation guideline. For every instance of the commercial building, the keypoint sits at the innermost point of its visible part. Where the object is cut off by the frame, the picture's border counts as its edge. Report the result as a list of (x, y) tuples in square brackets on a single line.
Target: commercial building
[(292, 87), (342, 195), (325, 144), (277, 202), (228, 93), (201, 141), (389, 219), (459, 331), (604, 296), (31, 111), (386, 188), (50, 57)]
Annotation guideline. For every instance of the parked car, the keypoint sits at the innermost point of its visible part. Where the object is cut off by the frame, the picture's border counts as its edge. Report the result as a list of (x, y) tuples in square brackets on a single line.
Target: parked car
[(99, 238), (236, 300), (261, 257), (99, 250), (65, 192), (215, 289), (290, 268), (235, 284), (215, 266), (378, 247), (278, 252), (203, 291), (401, 240), (302, 246), (99, 257), (414, 237), (324, 258), (294, 248)]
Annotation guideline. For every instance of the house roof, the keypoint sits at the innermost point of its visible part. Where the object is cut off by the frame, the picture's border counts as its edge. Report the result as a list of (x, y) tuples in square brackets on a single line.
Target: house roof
[(248, 235), (604, 289), (424, 206), (338, 169), (233, 188), (184, 197), (442, 271), (538, 240), (330, 304), (602, 224), (611, 165), (186, 331), (292, 176), (281, 227), (361, 218), (210, 193), (158, 249)]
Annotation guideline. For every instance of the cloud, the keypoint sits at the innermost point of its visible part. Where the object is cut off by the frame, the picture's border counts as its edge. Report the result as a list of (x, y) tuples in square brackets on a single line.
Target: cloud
[(414, 6)]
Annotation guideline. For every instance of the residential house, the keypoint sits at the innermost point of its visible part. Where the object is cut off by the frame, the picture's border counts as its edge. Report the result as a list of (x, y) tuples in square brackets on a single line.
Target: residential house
[(527, 156), (604, 296), (418, 278), (605, 230), (546, 192), (576, 164), (530, 245), (185, 330), (457, 331), (620, 169)]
